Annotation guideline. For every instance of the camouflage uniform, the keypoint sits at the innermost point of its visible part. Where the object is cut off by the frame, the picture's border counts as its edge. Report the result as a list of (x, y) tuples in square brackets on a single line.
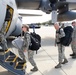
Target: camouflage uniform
[(26, 47), (61, 56), (30, 57), (3, 42), (73, 44), (61, 48)]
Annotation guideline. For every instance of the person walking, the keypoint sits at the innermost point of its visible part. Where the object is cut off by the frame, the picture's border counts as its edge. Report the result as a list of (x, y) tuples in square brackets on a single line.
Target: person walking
[(73, 43), (61, 48), (27, 41)]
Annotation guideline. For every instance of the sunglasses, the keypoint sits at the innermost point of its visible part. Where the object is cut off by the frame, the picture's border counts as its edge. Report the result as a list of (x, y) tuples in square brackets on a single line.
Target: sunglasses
[(23, 27)]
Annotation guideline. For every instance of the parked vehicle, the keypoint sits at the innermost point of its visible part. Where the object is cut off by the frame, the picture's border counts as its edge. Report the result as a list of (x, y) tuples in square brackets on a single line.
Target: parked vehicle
[(34, 26)]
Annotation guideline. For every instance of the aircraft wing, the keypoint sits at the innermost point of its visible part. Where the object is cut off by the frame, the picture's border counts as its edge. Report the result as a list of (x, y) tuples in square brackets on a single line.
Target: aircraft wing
[(24, 14), (62, 7), (65, 13)]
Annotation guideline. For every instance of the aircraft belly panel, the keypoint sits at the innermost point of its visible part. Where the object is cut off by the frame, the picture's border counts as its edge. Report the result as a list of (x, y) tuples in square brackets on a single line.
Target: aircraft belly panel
[(28, 4)]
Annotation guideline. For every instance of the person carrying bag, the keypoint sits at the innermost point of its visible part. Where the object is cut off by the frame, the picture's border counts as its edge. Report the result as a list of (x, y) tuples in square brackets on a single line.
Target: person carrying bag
[(25, 47)]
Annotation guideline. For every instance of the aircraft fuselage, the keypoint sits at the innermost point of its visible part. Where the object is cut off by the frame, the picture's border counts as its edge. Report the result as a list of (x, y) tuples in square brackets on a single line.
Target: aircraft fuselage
[(5, 7)]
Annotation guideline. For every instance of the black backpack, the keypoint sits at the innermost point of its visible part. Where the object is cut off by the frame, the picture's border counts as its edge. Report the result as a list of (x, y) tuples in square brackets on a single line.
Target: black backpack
[(68, 36), (35, 42)]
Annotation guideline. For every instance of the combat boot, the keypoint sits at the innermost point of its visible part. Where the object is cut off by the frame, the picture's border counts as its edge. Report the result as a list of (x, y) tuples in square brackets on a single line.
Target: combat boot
[(58, 65), (34, 69), (72, 54), (65, 61), (74, 57)]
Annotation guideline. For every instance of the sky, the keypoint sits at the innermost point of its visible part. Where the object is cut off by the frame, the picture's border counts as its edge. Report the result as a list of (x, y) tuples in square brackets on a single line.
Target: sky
[(34, 19)]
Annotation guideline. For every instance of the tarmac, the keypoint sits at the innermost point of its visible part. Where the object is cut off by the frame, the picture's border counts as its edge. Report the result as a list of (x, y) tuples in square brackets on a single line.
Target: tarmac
[(47, 56)]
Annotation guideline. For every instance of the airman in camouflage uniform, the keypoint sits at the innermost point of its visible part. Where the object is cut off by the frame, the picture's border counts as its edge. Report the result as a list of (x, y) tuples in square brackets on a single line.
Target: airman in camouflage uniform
[(3, 41), (61, 56), (73, 43), (26, 48)]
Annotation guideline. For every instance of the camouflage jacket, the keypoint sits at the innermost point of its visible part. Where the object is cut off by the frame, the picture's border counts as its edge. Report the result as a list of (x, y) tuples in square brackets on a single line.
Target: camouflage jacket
[(26, 41)]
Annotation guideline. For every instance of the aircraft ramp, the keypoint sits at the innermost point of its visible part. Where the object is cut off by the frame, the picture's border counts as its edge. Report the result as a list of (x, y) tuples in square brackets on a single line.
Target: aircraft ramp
[(12, 63)]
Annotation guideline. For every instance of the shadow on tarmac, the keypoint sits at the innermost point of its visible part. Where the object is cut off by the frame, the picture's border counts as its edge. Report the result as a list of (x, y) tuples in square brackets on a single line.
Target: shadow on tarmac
[(48, 41)]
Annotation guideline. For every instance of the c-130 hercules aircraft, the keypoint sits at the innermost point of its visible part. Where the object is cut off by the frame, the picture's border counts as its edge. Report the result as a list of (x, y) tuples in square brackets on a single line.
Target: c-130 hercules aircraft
[(8, 12), (10, 24)]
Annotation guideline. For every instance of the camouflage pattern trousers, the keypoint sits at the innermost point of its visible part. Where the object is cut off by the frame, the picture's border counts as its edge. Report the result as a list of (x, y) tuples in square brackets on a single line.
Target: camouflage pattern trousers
[(21, 53), (73, 46), (30, 56), (61, 54)]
